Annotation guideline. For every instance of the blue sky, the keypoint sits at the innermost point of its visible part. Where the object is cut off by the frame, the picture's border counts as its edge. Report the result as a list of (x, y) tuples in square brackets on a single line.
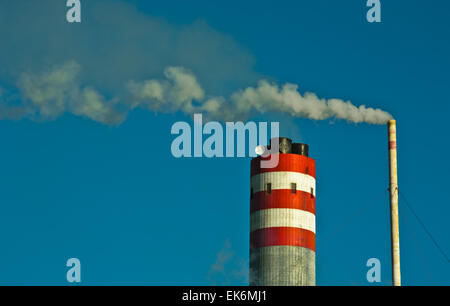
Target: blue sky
[(113, 196)]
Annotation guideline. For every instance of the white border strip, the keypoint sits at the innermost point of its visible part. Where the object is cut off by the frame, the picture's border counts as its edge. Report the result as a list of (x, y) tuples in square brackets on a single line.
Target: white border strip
[(282, 217), (283, 180)]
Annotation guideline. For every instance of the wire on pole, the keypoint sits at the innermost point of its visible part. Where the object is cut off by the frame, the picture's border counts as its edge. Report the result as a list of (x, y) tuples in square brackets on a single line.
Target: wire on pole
[(422, 258), (424, 227), (356, 214)]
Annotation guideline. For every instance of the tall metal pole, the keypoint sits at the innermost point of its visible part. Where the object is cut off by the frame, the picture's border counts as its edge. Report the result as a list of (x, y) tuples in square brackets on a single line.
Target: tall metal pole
[(393, 189)]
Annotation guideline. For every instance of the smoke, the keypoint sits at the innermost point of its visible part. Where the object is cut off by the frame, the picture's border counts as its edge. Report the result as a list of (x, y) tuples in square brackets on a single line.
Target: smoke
[(114, 43), (180, 90), (228, 269), (176, 93), (48, 95), (287, 99), (119, 59), (57, 91)]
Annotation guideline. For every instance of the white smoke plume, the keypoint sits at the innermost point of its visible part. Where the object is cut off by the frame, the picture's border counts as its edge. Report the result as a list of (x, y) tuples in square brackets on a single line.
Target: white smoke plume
[(268, 97), (228, 268), (57, 91), (48, 95), (116, 56), (176, 93), (181, 92)]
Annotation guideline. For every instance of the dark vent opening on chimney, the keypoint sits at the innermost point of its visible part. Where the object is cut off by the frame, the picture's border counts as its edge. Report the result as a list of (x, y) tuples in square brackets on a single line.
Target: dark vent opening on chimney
[(293, 188)]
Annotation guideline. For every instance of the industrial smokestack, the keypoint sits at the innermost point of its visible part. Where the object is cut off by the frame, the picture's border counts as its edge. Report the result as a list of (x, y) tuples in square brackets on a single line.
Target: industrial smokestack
[(393, 190), (282, 218)]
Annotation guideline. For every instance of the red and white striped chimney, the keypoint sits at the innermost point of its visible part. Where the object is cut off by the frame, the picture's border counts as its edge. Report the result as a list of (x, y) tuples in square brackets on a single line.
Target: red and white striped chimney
[(282, 219)]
